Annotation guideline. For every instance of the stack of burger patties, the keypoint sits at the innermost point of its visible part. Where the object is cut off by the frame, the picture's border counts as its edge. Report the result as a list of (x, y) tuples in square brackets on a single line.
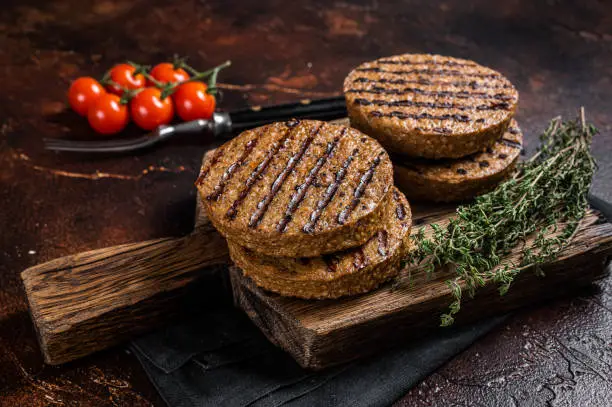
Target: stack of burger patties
[(447, 122), (308, 208)]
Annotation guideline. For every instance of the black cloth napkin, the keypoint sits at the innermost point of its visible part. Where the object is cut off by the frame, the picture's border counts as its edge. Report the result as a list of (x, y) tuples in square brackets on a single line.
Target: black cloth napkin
[(222, 359), (219, 358)]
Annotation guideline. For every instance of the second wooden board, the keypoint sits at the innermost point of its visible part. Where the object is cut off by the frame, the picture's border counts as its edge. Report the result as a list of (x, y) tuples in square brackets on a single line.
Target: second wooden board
[(324, 333)]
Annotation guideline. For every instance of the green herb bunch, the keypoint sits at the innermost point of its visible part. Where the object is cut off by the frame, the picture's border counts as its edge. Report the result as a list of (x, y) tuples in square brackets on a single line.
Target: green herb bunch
[(540, 208)]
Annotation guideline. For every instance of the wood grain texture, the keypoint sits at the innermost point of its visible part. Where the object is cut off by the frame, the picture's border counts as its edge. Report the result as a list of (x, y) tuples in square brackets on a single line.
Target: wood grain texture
[(323, 333), (90, 301)]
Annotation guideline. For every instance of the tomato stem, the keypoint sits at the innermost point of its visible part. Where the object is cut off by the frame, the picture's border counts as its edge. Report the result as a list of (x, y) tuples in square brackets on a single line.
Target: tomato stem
[(167, 91), (190, 69), (179, 62), (126, 94), (140, 69), (105, 78), (154, 81), (212, 82), (213, 71)]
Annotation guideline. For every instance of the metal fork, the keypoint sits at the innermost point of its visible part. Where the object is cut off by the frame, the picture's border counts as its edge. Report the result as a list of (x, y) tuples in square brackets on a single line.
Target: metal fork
[(222, 124)]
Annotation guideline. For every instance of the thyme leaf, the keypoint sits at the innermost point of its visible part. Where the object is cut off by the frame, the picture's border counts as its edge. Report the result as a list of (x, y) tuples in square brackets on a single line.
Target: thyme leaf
[(540, 208)]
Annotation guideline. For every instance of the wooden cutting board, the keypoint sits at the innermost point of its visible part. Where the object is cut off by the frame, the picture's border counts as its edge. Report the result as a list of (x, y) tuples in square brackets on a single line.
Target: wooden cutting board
[(324, 333), (87, 302)]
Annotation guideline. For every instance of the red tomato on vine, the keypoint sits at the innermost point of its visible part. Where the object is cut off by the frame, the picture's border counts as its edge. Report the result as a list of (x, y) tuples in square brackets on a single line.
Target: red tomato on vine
[(124, 76), (149, 110), (108, 115), (167, 73), (193, 102), (83, 93)]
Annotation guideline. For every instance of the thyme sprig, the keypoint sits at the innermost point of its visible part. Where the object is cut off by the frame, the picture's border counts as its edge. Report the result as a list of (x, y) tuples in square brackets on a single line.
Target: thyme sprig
[(540, 208)]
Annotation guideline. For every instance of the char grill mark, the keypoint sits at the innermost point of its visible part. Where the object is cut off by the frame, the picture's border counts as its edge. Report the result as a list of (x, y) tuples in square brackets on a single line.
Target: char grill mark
[(360, 259), (365, 180), (214, 160), (503, 156), (511, 143), (431, 105), (330, 192), (229, 172), (263, 205), (400, 211), (483, 164), (442, 63), (420, 116), (495, 106), (471, 84), (461, 171), (301, 190), (446, 93), (256, 174), (383, 242), (439, 72), (443, 130), (513, 130)]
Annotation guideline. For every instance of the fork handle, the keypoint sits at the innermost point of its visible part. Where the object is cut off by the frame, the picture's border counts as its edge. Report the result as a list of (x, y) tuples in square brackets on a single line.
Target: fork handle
[(299, 110), (318, 109)]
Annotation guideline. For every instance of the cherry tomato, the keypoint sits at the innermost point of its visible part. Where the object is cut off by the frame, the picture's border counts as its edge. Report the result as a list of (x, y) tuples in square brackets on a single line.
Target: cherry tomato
[(149, 110), (108, 115), (192, 102), (123, 75), (83, 93), (166, 73)]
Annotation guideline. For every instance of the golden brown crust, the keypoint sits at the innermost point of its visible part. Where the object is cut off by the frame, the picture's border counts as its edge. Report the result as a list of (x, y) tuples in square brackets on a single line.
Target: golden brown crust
[(429, 105), (460, 179), (300, 188), (350, 272)]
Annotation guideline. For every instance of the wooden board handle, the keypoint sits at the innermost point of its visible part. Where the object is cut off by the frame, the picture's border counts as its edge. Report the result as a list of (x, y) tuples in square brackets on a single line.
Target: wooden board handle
[(89, 301)]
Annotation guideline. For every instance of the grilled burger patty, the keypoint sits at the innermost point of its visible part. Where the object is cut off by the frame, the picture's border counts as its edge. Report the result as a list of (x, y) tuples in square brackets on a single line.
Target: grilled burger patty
[(429, 105), (297, 188), (463, 178), (350, 272)]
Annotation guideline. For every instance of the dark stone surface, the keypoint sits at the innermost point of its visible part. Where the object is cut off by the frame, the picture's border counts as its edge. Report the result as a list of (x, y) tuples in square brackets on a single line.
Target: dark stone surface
[(558, 53)]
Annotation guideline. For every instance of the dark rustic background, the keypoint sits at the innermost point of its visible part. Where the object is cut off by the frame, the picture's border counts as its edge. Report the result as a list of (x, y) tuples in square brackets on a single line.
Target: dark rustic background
[(558, 53)]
